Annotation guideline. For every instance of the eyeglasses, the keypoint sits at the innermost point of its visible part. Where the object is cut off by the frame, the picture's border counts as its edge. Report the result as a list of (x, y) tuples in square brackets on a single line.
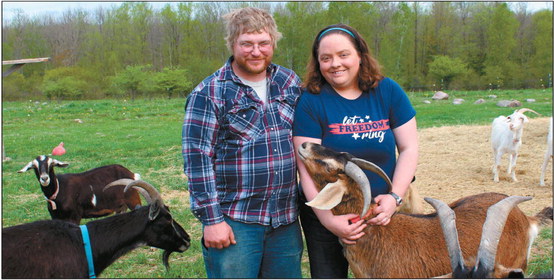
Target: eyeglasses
[(249, 46)]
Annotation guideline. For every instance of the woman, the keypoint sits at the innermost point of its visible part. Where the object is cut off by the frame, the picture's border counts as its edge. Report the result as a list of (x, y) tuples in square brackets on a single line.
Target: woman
[(349, 106)]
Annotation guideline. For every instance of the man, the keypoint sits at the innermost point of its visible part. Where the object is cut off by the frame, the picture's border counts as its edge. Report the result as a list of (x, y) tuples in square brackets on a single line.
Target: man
[(239, 156)]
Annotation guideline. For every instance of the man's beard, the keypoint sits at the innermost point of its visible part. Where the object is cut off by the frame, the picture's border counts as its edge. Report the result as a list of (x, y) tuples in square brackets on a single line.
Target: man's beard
[(260, 68)]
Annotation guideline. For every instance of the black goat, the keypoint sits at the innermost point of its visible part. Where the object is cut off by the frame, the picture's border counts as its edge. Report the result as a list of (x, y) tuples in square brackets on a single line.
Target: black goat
[(73, 196), (54, 248)]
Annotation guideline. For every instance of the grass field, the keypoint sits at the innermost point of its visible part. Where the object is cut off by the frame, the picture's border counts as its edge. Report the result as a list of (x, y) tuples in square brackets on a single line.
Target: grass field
[(145, 136)]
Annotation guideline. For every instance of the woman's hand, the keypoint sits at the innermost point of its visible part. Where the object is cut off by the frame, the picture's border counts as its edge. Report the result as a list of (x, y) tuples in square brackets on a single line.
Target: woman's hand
[(386, 206), (341, 227)]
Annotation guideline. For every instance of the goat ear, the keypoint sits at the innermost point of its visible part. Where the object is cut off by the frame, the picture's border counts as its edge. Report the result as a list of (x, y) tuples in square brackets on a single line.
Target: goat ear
[(328, 197), (27, 167), (155, 208), (59, 163)]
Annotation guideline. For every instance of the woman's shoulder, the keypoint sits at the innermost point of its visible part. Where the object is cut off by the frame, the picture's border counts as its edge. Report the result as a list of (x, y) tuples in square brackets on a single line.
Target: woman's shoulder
[(314, 101), (306, 94), (388, 86), (387, 82)]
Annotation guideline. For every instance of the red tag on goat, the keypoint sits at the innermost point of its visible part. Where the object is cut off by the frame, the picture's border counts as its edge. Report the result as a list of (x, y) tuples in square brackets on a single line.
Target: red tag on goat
[(354, 220)]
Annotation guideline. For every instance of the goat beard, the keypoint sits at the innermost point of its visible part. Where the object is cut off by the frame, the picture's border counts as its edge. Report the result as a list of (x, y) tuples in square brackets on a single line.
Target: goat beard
[(165, 258)]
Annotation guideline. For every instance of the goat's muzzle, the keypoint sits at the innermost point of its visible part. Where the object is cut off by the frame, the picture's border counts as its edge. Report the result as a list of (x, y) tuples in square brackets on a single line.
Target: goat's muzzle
[(302, 151), (44, 180)]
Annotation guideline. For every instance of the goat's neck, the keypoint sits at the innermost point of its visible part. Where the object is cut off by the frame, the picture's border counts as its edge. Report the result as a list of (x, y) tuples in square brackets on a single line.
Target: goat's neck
[(351, 202), (51, 191), (517, 136), (115, 236)]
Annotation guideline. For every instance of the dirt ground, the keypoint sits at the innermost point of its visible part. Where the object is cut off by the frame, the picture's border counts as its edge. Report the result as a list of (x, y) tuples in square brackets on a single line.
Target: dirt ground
[(456, 161)]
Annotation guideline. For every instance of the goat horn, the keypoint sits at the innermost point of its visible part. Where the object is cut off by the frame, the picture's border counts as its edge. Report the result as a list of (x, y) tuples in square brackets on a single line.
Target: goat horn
[(358, 175), (447, 219), (128, 183), (119, 182), (152, 192), (492, 230), (367, 165), (523, 110)]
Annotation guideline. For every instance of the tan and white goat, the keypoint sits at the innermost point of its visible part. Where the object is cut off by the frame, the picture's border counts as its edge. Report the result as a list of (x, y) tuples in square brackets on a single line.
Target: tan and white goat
[(411, 245)]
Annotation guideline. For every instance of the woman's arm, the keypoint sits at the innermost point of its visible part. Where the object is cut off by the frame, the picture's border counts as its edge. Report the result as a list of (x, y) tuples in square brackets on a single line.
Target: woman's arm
[(338, 225), (407, 144)]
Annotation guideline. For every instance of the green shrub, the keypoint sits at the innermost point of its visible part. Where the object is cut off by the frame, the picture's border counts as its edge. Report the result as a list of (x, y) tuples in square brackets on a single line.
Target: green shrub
[(173, 82), (64, 88)]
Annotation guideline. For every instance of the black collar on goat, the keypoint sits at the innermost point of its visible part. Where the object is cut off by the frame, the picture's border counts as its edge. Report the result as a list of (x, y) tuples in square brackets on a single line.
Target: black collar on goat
[(54, 248)]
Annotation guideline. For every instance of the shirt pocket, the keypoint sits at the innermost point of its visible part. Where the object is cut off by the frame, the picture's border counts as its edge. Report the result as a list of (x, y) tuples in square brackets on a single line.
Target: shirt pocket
[(244, 122), (286, 110)]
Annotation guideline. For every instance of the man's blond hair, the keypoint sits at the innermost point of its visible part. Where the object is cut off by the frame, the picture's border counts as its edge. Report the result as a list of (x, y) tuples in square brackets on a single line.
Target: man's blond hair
[(249, 20)]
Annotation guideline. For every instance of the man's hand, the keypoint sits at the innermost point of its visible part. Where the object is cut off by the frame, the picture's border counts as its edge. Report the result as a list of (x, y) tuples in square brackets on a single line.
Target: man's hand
[(219, 236)]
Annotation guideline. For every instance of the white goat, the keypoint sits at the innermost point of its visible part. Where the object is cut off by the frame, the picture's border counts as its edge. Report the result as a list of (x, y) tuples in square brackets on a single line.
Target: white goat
[(548, 154), (506, 139)]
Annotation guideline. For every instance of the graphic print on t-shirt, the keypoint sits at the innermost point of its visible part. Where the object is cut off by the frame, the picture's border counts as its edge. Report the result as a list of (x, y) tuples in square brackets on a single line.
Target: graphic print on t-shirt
[(361, 127)]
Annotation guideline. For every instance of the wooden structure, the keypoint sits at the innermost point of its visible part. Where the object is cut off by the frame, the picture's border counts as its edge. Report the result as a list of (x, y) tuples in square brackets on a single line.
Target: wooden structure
[(16, 64)]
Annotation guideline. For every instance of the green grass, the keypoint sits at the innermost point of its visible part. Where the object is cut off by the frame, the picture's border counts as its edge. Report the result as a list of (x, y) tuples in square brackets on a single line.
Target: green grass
[(145, 136), (541, 262), (444, 113)]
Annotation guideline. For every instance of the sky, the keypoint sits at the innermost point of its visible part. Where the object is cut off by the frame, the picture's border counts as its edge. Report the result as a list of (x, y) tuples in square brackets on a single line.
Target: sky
[(9, 8)]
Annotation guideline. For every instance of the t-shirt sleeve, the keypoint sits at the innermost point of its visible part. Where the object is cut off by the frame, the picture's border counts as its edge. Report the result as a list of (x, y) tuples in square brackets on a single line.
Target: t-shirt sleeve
[(306, 121), (401, 110)]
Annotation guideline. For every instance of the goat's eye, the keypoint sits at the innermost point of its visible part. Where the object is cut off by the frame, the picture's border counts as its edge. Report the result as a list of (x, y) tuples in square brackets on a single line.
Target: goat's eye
[(320, 162)]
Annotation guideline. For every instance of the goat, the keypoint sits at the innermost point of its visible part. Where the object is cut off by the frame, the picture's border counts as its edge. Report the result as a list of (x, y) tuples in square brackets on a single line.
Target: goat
[(484, 264), (548, 154), (73, 196), (506, 135), (54, 248), (411, 245)]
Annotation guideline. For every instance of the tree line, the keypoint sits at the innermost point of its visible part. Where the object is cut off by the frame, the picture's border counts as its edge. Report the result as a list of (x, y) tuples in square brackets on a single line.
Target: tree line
[(134, 50)]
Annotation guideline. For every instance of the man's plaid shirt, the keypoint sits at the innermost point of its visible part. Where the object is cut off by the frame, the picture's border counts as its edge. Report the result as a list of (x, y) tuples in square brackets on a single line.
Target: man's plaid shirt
[(238, 153)]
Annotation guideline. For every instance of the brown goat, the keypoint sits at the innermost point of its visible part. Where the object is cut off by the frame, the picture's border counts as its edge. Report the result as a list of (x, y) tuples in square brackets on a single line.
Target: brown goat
[(483, 266), (73, 196), (411, 245)]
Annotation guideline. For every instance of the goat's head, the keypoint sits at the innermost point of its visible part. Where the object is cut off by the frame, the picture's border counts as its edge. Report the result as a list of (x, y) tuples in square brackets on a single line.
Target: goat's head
[(484, 266), (517, 119), (163, 231), (43, 166), (338, 177)]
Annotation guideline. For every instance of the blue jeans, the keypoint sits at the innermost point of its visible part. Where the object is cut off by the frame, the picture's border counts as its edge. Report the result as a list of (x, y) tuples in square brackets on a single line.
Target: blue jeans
[(260, 252)]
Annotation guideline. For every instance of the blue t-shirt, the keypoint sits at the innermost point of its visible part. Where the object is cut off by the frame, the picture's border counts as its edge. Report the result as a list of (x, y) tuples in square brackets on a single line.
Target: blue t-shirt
[(361, 127)]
